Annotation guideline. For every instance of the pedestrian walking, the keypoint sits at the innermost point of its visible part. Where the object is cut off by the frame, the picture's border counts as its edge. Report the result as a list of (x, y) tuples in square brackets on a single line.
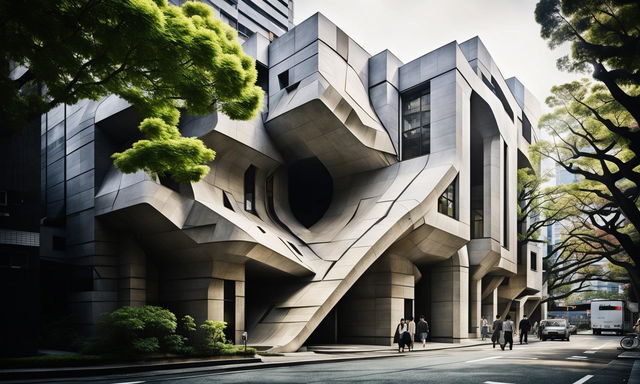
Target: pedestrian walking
[(524, 327), (423, 331), (535, 329), (412, 332), (402, 335), (497, 330), (509, 329), (484, 327)]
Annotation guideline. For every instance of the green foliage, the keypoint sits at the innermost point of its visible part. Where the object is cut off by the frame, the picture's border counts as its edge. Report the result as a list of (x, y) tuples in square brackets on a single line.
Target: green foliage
[(188, 324), (158, 57), (604, 31), (166, 152), (214, 340), (136, 330)]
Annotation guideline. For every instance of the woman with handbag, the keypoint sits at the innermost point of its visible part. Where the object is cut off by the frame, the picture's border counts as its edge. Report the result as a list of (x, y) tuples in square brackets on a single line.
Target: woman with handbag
[(402, 335)]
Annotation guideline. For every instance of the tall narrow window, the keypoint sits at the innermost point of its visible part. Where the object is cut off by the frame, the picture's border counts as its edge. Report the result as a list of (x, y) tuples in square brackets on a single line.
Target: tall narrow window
[(534, 261), (505, 194), (250, 189), (416, 124), (447, 201)]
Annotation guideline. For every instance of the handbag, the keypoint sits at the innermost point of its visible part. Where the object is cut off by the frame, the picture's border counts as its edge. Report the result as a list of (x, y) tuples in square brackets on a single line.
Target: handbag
[(501, 339)]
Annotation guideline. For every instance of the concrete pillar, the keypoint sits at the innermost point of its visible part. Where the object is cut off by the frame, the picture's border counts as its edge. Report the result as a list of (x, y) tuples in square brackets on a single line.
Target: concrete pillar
[(450, 299), (492, 177), (198, 289), (490, 305), (475, 307), (132, 274), (370, 311)]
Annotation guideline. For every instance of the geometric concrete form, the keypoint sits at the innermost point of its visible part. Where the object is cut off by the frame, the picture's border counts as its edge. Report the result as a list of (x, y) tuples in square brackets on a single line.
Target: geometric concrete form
[(314, 223)]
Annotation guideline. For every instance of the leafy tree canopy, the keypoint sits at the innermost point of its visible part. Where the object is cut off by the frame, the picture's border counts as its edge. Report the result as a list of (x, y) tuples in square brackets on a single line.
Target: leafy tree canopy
[(159, 57)]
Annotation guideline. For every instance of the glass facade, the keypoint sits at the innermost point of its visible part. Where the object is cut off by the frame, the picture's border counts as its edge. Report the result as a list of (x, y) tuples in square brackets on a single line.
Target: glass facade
[(416, 124), (447, 201)]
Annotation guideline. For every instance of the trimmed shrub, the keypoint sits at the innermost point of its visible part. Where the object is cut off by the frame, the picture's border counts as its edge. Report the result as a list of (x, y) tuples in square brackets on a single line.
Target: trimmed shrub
[(137, 330)]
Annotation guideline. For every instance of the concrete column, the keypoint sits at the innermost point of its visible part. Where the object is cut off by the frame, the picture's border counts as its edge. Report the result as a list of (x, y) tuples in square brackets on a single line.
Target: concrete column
[(450, 299), (475, 307), (370, 311), (240, 300), (132, 274), (492, 149), (490, 305), (198, 290)]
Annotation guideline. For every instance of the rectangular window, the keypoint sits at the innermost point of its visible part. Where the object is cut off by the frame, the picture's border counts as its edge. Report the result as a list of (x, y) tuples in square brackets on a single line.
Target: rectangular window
[(534, 261), (505, 192), (250, 189), (447, 201), (283, 79), (416, 124), (229, 315)]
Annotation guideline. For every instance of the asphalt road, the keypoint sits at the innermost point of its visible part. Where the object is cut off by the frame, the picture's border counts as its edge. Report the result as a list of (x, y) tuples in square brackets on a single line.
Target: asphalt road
[(585, 359)]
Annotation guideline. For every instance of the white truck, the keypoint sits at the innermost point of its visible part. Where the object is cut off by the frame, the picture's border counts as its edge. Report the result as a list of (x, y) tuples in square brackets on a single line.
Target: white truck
[(610, 316)]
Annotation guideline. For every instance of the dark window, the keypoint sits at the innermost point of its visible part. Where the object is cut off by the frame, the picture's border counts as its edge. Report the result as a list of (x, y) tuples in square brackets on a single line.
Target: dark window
[(416, 124), (283, 79), (265, 14), (526, 128), (226, 202), (58, 243), (230, 309), (408, 308), (505, 191), (534, 261), (3, 198), (250, 189), (246, 32), (503, 99), (294, 248), (447, 201)]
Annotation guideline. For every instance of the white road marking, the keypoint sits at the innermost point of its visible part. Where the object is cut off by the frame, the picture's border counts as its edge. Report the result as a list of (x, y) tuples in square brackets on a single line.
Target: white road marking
[(495, 382), (584, 379), (600, 346), (483, 359), (590, 352), (132, 382), (577, 357)]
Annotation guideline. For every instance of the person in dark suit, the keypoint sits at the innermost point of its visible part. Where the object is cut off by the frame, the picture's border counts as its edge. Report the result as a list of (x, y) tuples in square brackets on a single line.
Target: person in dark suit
[(525, 327), (497, 328)]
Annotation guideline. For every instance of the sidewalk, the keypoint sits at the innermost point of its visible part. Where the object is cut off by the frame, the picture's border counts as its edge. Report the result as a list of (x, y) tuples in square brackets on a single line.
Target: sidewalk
[(323, 354)]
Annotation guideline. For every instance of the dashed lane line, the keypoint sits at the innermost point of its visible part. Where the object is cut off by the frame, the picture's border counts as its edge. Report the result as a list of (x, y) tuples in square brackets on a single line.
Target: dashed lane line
[(583, 380), (483, 359), (495, 382)]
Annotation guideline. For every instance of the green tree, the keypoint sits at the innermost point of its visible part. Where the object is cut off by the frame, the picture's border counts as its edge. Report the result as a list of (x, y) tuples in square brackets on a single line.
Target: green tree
[(595, 127), (604, 35), (160, 58), (604, 210)]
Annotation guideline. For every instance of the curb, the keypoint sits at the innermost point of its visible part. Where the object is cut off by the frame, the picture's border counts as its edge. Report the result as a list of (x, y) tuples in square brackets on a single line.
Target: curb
[(43, 373)]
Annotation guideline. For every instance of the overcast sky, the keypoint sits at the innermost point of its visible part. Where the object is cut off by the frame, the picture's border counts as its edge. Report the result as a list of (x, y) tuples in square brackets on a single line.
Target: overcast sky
[(411, 28)]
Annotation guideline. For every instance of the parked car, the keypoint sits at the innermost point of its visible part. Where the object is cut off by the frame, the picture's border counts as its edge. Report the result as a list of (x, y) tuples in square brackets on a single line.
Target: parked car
[(554, 329)]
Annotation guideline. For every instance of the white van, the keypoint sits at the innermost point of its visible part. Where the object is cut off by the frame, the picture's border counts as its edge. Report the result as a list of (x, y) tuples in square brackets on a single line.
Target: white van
[(609, 315)]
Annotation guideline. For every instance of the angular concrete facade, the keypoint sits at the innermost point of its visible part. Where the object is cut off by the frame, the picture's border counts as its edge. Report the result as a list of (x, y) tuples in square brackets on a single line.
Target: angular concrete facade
[(367, 190)]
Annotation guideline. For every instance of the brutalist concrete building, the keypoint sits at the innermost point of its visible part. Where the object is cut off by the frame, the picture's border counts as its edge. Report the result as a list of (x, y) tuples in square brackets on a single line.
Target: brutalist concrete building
[(367, 190)]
